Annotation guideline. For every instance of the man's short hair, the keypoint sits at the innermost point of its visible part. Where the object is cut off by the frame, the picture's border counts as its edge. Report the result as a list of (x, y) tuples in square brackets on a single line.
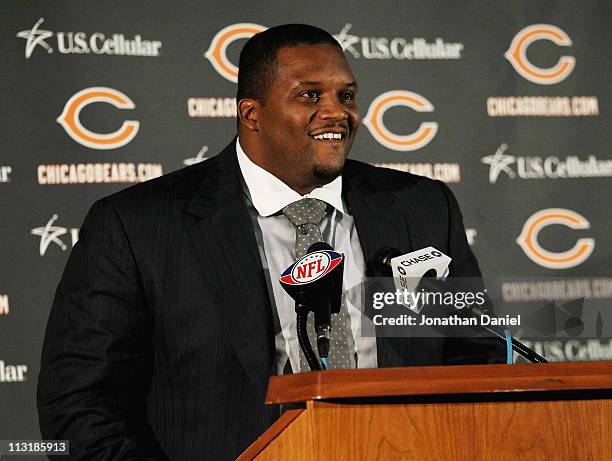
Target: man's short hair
[(257, 66)]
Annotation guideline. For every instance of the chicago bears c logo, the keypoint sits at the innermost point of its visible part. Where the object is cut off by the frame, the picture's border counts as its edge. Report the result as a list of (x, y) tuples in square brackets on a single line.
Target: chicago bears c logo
[(375, 123), (217, 52), (69, 118), (528, 240), (517, 54)]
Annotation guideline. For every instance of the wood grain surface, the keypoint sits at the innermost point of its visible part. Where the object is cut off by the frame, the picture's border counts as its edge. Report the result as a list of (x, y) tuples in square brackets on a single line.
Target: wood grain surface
[(532, 431), (547, 431), (471, 379), (557, 411)]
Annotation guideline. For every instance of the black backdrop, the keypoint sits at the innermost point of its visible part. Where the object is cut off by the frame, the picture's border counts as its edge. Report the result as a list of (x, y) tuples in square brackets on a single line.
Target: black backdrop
[(508, 102)]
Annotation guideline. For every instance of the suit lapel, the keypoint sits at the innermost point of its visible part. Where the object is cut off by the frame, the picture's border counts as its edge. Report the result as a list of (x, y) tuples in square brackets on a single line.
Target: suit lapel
[(380, 224), (377, 224), (226, 247)]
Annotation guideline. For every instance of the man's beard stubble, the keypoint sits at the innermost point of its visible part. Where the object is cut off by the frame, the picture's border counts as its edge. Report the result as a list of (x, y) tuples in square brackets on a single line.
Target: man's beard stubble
[(327, 175)]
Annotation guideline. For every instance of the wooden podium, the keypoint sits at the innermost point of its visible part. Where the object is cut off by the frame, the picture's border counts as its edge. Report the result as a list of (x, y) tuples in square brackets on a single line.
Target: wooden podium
[(551, 412)]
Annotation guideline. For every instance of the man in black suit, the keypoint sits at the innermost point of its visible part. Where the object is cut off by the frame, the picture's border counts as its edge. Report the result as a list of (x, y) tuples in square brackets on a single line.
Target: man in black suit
[(164, 329)]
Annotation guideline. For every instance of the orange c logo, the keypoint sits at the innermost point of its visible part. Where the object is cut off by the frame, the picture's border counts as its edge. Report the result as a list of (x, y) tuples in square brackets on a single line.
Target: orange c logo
[(528, 240), (217, 52), (374, 120), (69, 118), (517, 54)]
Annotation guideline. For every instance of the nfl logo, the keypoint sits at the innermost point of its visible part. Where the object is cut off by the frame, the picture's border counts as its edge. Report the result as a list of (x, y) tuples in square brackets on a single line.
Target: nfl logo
[(311, 267)]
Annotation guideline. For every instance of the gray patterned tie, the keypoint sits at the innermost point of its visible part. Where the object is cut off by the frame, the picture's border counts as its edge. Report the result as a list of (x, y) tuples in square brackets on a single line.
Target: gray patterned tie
[(306, 215)]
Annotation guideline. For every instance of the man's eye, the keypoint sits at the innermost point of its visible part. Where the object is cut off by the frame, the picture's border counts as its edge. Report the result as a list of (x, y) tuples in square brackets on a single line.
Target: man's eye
[(311, 94), (347, 96)]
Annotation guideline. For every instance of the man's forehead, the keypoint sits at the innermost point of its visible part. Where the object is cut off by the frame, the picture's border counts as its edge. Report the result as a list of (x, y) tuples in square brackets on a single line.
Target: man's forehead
[(310, 52), (311, 63)]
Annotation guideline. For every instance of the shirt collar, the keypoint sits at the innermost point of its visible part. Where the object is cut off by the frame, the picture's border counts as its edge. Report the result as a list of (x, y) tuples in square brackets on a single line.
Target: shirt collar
[(270, 195)]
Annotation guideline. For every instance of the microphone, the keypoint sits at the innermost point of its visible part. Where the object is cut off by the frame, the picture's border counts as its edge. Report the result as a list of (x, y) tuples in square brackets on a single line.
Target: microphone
[(409, 270), (315, 283), (426, 270)]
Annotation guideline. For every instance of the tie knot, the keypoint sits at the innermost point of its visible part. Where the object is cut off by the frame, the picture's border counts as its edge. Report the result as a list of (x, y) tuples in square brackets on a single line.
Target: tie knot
[(305, 211)]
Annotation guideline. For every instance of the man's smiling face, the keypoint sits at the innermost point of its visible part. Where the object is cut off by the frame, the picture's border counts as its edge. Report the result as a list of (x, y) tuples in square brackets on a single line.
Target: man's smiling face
[(307, 122)]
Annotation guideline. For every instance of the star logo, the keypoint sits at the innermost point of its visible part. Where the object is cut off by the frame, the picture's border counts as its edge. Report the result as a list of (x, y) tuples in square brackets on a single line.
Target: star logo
[(499, 162), (35, 37), (347, 41), (198, 158), (50, 234)]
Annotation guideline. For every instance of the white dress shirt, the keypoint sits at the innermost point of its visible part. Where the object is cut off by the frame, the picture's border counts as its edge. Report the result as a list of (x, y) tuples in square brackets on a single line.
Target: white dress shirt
[(267, 196)]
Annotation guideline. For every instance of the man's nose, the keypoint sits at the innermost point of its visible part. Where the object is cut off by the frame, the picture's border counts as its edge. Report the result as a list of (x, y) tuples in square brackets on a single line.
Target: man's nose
[(333, 110)]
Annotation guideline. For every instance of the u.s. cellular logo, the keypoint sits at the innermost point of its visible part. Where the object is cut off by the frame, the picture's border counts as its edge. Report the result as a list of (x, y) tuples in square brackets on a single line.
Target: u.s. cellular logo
[(540, 167), (399, 48), (50, 233), (97, 43), (10, 373)]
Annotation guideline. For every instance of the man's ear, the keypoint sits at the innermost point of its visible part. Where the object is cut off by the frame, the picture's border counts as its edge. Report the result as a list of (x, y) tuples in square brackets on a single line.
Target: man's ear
[(247, 113)]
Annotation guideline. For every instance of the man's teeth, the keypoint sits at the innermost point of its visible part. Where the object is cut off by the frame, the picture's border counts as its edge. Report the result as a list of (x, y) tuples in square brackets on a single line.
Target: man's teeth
[(329, 136)]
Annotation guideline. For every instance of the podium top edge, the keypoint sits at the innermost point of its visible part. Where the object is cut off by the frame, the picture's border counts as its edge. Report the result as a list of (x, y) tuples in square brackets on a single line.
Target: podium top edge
[(439, 380)]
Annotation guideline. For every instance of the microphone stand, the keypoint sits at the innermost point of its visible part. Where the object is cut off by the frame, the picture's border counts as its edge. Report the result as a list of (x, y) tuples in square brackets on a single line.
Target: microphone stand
[(302, 334), (473, 312), (382, 266), (517, 346)]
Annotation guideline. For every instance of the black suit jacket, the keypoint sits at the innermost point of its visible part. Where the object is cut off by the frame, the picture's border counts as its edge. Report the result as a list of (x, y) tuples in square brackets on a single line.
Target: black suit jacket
[(160, 342)]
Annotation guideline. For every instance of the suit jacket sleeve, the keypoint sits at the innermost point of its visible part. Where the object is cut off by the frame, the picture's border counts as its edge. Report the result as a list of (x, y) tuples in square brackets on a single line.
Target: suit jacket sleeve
[(464, 264), (97, 352)]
